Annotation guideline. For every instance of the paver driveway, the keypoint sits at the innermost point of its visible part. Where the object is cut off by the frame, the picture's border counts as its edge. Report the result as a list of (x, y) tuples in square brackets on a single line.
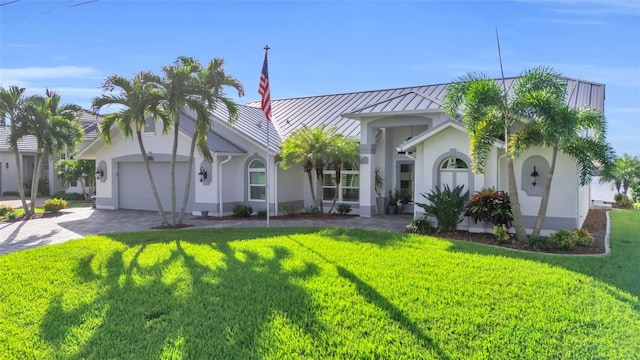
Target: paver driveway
[(80, 222)]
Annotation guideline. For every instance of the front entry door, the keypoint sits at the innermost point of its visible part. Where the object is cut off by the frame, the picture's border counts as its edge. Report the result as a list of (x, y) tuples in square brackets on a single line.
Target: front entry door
[(406, 181)]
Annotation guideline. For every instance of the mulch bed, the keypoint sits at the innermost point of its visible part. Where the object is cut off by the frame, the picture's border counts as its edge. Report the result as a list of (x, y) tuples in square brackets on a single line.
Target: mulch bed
[(37, 216), (595, 222), (280, 217)]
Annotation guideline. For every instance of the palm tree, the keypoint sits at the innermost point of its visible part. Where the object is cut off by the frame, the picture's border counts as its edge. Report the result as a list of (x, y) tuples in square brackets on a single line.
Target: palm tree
[(55, 128), (138, 100), (307, 147), (557, 126), (628, 170), (188, 84), (12, 111), (491, 111), (341, 150)]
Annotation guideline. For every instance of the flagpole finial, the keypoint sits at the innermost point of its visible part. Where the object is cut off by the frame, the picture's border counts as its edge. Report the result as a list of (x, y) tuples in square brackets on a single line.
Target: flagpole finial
[(266, 47)]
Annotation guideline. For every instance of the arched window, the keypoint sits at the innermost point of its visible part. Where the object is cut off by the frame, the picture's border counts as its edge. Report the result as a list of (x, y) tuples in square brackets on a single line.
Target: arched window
[(257, 180), (453, 171)]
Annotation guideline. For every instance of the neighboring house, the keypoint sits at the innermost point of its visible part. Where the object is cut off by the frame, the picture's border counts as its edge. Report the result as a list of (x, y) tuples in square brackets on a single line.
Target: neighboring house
[(27, 147), (402, 131)]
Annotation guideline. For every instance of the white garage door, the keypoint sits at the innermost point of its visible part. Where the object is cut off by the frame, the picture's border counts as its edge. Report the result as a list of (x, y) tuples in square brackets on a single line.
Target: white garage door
[(134, 188)]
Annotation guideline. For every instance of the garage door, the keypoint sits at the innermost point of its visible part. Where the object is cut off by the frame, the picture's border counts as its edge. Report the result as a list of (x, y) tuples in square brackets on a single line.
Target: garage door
[(134, 188)]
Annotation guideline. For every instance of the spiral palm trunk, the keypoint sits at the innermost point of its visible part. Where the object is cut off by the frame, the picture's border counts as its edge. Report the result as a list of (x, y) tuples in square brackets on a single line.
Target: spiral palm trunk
[(23, 197), (187, 187), (544, 202), (313, 193), (335, 196), (151, 181), (35, 179), (174, 152), (518, 223)]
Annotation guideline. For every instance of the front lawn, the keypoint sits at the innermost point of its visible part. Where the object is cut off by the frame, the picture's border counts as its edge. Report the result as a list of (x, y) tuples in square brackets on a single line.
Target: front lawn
[(309, 293)]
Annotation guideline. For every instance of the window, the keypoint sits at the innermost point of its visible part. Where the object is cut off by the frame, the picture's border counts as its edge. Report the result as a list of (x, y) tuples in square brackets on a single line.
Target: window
[(74, 183), (453, 172), (257, 180), (349, 190), (149, 125)]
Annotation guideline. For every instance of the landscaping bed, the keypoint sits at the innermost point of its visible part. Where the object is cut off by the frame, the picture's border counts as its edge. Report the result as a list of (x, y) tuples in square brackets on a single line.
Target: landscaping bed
[(595, 223)]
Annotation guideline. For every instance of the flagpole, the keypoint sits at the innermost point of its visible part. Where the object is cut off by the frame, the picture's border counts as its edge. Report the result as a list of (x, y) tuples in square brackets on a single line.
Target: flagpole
[(266, 107), (267, 175)]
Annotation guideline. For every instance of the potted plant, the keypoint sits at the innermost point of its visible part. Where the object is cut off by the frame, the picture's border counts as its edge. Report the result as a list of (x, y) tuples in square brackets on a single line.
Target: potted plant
[(381, 201), (392, 204), (404, 198)]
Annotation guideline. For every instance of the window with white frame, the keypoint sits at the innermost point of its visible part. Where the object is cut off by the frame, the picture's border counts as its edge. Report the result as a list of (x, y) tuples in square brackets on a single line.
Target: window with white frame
[(257, 181), (349, 189)]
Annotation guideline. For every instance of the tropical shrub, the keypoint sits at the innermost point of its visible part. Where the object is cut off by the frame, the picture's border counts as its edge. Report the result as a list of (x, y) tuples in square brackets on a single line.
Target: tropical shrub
[(446, 205), (623, 201), (344, 209), (565, 239), (262, 214), (242, 211), (635, 192), (583, 237), (421, 225), (538, 242), (12, 215), (490, 206), (312, 210), (54, 205), (288, 209), (501, 232), (67, 196), (4, 209)]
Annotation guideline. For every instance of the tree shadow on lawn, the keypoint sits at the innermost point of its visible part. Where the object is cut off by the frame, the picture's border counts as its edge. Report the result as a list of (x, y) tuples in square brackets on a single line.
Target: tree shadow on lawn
[(213, 312), (374, 297), (376, 237)]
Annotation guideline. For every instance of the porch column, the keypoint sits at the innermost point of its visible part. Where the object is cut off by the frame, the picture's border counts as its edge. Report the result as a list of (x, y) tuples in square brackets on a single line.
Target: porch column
[(367, 170)]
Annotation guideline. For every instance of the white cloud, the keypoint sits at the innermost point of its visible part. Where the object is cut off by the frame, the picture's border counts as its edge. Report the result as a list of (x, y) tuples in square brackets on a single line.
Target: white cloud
[(17, 46), (593, 7), (575, 22), (631, 110), (23, 75)]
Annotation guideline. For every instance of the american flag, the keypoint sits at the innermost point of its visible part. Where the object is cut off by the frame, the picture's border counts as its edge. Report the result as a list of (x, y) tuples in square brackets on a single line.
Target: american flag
[(263, 90)]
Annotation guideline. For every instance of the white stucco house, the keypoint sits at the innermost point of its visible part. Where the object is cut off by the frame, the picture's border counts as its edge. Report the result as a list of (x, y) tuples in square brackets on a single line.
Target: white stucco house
[(402, 131), (27, 149)]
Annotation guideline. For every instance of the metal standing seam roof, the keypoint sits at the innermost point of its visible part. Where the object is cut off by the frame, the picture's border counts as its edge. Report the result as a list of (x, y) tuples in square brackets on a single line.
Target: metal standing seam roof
[(216, 142), (251, 122), (332, 110)]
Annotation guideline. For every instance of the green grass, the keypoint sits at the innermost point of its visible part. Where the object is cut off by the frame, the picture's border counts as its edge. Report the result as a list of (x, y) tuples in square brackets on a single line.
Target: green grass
[(311, 293)]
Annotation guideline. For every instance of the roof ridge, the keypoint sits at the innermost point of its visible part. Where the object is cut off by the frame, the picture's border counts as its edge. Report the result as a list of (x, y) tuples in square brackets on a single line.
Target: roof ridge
[(410, 88)]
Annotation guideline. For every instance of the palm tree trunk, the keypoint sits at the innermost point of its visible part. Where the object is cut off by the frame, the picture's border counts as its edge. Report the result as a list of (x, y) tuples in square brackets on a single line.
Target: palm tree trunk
[(544, 202), (153, 184), (187, 187), (335, 196), (35, 180), (313, 193), (518, 223), (23, 197), (174, 152)]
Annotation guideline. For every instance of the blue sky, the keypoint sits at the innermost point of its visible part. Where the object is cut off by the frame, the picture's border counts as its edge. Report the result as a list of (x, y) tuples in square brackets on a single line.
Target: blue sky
[(325, 47)]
